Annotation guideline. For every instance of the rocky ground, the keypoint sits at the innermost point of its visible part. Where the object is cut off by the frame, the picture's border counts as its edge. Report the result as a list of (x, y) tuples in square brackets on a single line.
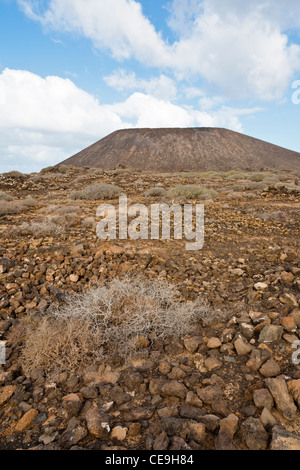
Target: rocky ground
[(232, 383)]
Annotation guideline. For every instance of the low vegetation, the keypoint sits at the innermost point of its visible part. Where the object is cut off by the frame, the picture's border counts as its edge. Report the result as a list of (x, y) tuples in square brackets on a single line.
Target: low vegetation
[(97, 192), (155, 192), (9, 207), (191, 191), (5, 197), (117, 320)]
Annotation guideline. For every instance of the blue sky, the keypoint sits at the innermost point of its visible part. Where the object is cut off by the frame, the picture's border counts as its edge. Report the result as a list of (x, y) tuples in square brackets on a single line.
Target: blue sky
[(72, 71)]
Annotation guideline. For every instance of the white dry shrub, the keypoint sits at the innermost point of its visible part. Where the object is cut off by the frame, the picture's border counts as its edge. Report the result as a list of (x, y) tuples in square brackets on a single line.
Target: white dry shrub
[(44, 228), (112, 322)]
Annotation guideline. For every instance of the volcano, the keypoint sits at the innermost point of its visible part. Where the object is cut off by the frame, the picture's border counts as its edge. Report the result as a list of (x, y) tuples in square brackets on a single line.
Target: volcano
[(188, 149)]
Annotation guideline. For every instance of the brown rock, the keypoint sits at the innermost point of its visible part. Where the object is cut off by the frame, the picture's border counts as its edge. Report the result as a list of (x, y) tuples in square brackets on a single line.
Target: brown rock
[(161, 442), (228, 428), (209, 394), (119, 433), (242, 347), (175, 389), (191, 344), (270, 334), (191, 412), (193, 400), (283, 399), (74, 433), (254, 434), (6, 393), (196, 431), (156, 385), (263, 399), (72, 404), (267, 419), (110, 377), (139, 414), (212, 363), (26, 420), (98, 423), (294, 389), (289, 323), (214, 343), (270, 369), (289, 299), (220, 407), (284, 440), (258, 358)]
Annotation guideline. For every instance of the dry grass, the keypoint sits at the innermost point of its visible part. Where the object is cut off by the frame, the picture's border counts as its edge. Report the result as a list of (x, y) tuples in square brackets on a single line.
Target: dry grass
[(112, 322), (42, 177), (60, 210), (191, 191), (44, 228), (5, 197), (88, 222), (96, 192), (16, 206), (155, 192)]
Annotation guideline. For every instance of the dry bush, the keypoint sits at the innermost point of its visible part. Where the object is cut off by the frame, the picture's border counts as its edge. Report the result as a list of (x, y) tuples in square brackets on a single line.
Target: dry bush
[(155, 192), (255, 186), (233, 175), (273, 216), (48, 169), (238, 188), (287, 186), (191, 191), (207, 174), (44, 228), (40, 178), (60, 210), (112, 322), (16, 206), (96, 192), (95, 171), (5, 197), (88, 222), (14, 174), (65, 169)]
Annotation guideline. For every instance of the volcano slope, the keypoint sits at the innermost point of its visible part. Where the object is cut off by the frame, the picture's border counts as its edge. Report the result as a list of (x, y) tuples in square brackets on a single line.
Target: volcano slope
[(232, 382), (198, 149)]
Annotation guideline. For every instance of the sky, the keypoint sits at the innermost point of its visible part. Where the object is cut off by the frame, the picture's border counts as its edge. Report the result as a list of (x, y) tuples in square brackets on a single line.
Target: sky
[(73, 71)]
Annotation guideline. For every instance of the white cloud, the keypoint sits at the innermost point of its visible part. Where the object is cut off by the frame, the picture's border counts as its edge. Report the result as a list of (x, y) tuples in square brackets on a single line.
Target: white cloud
[(243, 54), (241, 47), (116, 25), (45, 120), (42, 119), (161, 87)]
